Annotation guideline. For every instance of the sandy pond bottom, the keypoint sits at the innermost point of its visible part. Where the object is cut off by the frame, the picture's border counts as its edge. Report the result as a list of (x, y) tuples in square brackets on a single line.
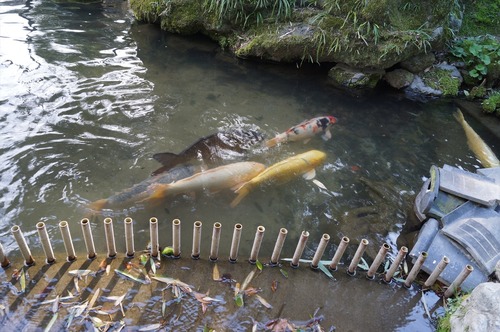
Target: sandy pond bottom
[(349, 303)]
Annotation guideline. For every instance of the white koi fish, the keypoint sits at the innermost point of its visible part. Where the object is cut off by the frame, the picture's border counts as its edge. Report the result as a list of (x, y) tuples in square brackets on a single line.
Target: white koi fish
[(305, 131), (212, 180)]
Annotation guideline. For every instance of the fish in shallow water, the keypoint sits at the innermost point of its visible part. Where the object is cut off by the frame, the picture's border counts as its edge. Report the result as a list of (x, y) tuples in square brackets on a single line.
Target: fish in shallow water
[(305, 131), (212, 180), (286, 170), (143, 189), (480, 149), (212, 148)]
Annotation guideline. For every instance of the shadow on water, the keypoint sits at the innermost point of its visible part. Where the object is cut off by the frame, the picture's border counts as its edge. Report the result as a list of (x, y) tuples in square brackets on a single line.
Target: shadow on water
[(88, 96)]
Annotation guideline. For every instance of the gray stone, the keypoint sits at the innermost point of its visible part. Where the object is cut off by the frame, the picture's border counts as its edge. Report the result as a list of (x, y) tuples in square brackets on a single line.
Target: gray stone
[(419, 87), (480, 311), (399, 78), (346, 76), (418, 63)]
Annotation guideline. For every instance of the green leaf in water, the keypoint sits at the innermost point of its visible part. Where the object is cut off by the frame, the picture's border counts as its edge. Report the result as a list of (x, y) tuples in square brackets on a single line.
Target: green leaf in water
[(167, 251), (23, 281), (143, 259), (259, 265), (284, 273), (325, 270), (239, 300)]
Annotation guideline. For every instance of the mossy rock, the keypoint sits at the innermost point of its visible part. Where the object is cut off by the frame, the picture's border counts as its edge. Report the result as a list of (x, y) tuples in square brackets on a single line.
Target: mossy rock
[(443, 78), (344, 76)]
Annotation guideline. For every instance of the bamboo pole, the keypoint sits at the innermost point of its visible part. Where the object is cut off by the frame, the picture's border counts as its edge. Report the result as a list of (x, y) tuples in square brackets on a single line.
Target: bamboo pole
[(4, 261), (344, 242), (129, 236), (299, 249), (153, 232), (320, 250), (377, 261), (23, 246), (257, 242), (278, 246), (214, 248), (195, 253), (235, 243), (357, 257), (395, 265), (437, 271), (415, 269), (110, 237), (458, 281), (44, 240), (68, 242), (87, 237), (176, 237)]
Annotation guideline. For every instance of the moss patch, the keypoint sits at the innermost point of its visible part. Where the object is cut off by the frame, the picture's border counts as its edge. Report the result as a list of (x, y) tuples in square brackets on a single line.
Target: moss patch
[(442, 80)]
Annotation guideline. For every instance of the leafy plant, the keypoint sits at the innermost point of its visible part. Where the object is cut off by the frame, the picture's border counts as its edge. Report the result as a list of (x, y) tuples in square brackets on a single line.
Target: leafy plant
[(452, 305), (492, 103), (478, 53)]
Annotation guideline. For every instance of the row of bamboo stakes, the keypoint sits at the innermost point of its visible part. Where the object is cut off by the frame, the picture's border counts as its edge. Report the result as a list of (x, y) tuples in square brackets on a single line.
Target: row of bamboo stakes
[(233, 255)]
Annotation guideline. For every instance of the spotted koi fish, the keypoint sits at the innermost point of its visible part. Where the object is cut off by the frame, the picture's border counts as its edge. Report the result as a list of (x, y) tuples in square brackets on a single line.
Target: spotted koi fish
[(305, 131)]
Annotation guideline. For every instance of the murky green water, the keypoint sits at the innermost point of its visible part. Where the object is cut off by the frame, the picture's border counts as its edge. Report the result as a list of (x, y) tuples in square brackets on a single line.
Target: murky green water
[(87, 96)]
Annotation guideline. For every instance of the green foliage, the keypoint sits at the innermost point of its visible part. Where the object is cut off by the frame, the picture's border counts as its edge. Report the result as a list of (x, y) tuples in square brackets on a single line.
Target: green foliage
[(247, 12), (492, 103), (478, 53), (452, 305), (480, 17)]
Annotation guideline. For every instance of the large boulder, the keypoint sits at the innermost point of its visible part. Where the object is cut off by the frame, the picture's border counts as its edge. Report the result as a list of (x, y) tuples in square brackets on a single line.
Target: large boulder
[(480, 311)]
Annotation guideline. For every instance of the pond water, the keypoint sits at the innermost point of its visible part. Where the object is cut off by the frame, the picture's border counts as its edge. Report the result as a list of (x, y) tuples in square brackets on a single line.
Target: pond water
[(88, 95)]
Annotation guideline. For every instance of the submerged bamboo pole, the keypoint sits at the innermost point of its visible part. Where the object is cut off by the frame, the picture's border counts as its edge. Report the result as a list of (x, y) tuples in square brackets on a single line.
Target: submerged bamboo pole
[(44, 240), (257, 242), (195, 253), (299, 249), (153, 233), (129, 236), (68, 242), (278, 246), (21, 242), (395, 265), (437, 271), (4, 261), (214, 248), (87, 237), (458, 281), (377, 261), (235, 243), (344, 242), (176, 237), (320, 250), (415, 269), (110, 237), (357, 257)]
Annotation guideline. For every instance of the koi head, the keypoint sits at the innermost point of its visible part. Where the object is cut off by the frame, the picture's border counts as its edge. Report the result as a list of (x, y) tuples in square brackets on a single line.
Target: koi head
[(326, 122)]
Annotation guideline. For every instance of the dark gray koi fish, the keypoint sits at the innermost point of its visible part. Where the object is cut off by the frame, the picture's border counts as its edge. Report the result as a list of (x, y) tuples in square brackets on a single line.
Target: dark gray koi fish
[(212, 148), (144, 189)]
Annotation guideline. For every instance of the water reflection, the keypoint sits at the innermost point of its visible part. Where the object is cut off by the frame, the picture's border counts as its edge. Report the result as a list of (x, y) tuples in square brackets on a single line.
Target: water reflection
[(87, 96)]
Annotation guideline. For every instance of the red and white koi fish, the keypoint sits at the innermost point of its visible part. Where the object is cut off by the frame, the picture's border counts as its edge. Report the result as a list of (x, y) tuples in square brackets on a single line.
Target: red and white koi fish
[(305, 131)]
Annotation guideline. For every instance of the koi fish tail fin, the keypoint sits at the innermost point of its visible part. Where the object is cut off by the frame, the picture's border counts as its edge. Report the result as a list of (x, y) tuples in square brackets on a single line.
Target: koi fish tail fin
[(459, 116), (272, 142), (159, 192), (98, 205), (242, 192)]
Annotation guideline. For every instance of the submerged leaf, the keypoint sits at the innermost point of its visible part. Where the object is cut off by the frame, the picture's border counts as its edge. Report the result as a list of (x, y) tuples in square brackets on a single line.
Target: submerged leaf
[(284, 273), (259, 265), (263, 301), (51, 323), (215, 273), (325, 270), (80, 273), (23, 281), (239, 300), (125, 274), (247, 280), (274, 285), (151, 327), (167, 251)]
